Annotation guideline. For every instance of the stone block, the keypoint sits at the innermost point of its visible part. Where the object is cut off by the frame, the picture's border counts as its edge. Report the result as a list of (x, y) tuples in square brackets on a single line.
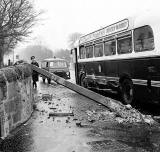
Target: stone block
[(12, 89), (16, 117), (6, 106), (2, 120), (3, 92), (12, 106), (10, 74)]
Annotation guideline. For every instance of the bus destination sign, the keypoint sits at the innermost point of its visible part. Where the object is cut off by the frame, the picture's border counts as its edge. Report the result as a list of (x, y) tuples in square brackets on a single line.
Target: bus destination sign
[(122, 25)]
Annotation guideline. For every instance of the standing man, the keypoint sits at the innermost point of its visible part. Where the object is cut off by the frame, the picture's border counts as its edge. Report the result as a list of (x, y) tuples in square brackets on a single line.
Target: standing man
[(34, 73)]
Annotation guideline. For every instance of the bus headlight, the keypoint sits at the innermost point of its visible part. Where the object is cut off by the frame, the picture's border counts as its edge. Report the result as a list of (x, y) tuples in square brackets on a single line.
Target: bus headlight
[(67, 73)]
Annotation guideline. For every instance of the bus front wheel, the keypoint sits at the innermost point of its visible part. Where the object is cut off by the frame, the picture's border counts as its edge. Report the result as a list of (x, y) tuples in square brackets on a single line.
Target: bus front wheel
[(127, 91), (43, 79), (49, 81)]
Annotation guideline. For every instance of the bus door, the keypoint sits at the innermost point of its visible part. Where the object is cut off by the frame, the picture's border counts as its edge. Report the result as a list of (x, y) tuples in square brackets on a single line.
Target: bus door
[(75, 61)]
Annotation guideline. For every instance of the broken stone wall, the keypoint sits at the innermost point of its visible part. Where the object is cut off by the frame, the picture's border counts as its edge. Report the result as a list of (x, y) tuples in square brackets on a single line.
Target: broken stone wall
[(16, 97)]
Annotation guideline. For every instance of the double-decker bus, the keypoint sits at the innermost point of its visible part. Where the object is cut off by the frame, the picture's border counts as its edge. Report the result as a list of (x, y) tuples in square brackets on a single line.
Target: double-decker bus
[(122, 58)]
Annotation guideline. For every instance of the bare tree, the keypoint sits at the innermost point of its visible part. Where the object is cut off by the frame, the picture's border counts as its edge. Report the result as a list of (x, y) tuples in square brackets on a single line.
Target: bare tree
[(16, 20), (73, 38)]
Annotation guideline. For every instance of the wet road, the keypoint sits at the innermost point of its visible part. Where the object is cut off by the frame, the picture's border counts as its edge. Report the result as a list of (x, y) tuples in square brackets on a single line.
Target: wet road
[(64, 121)]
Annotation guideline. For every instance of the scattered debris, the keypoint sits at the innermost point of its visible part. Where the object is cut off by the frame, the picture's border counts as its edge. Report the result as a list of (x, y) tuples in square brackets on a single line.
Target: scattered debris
[(67, 121), (119, 120), (46, 97), (35, 107), (107, 114), (91, 120), (52, 108), (75, 119), (68, 118), (78, 124), (148, 119), (128, 106), (42, 111), (90, 112), (51, 114), (157, 118), (58, 120)]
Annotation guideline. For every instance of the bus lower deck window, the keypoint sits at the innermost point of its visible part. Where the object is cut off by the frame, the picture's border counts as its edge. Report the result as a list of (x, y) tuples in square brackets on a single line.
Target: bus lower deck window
[(110, 48), (89, 52), (124, 45), (98, 50)]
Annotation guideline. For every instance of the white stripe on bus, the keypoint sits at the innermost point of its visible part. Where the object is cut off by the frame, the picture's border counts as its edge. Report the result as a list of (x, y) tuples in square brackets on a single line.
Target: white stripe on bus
[(118, 57), (135, 81)]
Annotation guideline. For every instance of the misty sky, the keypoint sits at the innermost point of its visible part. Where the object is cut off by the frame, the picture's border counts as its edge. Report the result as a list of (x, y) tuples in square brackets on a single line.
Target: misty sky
[(63, 17)]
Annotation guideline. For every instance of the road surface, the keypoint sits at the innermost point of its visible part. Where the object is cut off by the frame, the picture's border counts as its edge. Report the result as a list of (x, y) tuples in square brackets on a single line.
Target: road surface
[(64, 121)]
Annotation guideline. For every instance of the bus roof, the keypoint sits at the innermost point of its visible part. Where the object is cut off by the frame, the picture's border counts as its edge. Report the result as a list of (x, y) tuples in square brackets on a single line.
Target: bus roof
[(129, 23)]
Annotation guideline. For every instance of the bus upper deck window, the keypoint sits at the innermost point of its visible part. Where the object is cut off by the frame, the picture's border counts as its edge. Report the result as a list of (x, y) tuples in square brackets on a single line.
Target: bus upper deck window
[(124, 45), (143, 39), (82, 52), (98, 50), (110, 48)]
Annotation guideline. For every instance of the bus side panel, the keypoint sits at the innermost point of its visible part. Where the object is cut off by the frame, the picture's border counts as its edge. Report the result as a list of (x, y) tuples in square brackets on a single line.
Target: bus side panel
[(111, 68), (96, 68), (102, 68), (91, 68), (137, 70), (125, 67), (140, 70), (155, 67), (148, 70), (141, 73), (155, 76)]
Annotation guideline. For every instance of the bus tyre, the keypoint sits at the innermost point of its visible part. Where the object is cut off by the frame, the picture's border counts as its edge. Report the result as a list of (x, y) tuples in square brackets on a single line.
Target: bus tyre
[(83, 82), (43, 79), (127, 91), (69, 75), (49, 81)]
